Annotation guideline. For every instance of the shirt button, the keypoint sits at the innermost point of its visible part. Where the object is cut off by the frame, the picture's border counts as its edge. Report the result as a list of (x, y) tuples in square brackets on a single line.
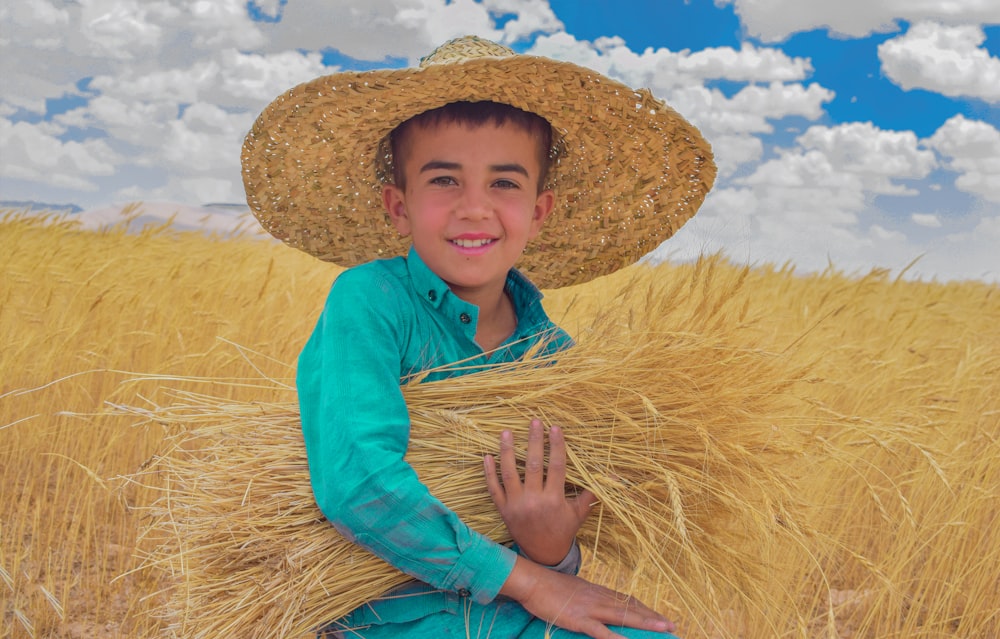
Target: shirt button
[(432, 295), (464, 592), (464, 317)]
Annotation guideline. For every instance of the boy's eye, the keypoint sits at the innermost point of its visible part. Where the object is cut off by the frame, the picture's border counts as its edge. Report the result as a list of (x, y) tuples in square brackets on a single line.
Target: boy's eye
[(506, 184), (443, 180)]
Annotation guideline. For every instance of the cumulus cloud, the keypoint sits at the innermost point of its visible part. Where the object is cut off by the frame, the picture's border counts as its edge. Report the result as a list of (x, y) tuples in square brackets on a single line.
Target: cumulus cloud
[(812, 204), (972, 149), (47, 47), (665, 70), (228, 77), (408, 29), (775, 20), (928, 220), (36, 153), (947, 60), (875, 156)]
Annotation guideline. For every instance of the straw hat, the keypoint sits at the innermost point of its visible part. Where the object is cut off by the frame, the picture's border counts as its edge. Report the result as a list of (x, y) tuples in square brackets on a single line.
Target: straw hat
[(627, 170)]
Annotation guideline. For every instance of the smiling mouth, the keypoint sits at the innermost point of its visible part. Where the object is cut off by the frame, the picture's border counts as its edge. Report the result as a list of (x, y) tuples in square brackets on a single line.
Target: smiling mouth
[(472, 243)]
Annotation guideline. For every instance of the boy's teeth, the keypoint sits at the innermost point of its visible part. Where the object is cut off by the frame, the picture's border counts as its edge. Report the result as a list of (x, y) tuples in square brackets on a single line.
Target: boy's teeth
[(471, 243)]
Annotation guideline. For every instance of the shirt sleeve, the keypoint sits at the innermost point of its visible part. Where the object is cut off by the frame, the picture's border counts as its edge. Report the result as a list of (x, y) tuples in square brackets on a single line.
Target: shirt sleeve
[(356, 428)]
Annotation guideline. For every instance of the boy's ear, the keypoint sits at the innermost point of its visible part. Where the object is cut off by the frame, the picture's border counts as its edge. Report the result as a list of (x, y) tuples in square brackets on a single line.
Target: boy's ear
[(395, 206), (544, 204)]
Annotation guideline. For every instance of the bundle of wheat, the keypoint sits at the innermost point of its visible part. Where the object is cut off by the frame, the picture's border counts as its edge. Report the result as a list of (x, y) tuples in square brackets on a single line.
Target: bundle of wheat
[(682, 438)]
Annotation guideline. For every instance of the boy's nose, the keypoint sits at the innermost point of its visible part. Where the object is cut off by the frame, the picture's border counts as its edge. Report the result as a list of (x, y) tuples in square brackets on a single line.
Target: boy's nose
[(475, 204)]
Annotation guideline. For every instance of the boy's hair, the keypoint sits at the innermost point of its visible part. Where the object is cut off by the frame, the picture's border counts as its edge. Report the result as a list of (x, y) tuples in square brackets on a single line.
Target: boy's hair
[(474, 114)]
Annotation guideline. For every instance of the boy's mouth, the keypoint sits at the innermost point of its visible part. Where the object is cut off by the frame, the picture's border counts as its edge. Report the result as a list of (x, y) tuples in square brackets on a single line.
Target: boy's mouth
[(472, 243)]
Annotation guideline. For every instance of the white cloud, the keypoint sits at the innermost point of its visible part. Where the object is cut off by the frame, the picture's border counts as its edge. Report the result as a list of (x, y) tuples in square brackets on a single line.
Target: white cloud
[(972, 149), (734, 151), (35, 152), (48, 50), (775, 20), (753, 106), (947, 60), (964, 255), (664, 71), (228, 77), (530, 17), (812, 206), (748, 64), (928, 220), (440, 22), (256, 79), (206, 138), (742, 225), (33, 22), (135, 122), (122, 29), (842, 165), (409, 29), (877, 157)]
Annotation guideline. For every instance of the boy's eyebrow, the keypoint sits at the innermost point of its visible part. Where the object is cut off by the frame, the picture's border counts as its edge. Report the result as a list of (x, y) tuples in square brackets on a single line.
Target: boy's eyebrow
[(513, 167), (435, 165)]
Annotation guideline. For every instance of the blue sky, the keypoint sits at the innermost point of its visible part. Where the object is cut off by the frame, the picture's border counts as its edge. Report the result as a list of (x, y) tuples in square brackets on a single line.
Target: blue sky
[(862, 133)]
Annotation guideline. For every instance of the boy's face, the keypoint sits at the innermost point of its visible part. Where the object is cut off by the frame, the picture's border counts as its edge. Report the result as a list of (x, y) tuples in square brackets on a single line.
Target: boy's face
[(471, 202)]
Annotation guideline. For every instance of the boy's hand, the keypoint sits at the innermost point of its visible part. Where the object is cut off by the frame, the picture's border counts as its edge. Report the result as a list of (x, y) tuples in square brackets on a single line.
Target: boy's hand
[(578, 605), (539, 516)]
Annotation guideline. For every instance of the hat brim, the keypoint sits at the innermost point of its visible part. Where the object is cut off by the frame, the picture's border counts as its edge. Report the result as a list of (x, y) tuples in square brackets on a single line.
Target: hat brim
[(630, 170)]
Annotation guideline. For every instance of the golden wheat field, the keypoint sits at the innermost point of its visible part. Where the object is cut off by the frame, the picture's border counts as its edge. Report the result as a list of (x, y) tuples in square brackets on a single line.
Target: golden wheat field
[(830, 443)]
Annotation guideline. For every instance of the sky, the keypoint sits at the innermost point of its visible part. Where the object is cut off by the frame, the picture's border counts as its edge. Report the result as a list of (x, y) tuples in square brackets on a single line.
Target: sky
[(856, 134)]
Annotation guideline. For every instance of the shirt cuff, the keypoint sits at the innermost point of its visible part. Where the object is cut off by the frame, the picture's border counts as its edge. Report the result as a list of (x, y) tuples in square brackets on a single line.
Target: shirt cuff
[(482, 570), (570, 564)]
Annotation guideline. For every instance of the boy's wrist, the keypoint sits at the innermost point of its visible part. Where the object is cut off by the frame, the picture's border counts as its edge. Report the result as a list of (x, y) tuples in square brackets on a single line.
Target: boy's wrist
[(569, 563)]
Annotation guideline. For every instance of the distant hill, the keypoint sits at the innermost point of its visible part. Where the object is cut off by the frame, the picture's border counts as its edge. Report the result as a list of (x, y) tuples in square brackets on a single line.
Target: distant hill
[(219, 218), (39, 206)]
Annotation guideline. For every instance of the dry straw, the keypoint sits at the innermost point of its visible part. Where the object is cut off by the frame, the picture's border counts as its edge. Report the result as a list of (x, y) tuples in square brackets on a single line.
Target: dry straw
[(681, 437)]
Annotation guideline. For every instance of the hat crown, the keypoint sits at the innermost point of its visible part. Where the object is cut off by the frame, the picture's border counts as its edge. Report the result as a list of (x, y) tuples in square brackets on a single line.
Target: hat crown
[(465, 48)]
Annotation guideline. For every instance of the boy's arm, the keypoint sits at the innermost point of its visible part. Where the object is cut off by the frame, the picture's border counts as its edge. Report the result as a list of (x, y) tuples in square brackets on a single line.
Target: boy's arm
[(356, 428)]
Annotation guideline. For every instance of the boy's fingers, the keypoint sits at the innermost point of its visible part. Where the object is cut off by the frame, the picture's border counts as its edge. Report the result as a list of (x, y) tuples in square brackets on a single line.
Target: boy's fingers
[(508, 465), (493, 483), (639, 615), (534, 463), (583, 503), (556, 475)]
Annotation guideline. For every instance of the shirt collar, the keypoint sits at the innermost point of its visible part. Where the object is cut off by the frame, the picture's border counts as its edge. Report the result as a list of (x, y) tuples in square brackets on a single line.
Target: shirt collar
[(426, 282), (523, 293)]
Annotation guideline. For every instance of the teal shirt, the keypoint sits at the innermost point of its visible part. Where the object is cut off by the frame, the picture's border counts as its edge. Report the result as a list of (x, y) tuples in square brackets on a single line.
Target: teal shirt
[(383, 322)]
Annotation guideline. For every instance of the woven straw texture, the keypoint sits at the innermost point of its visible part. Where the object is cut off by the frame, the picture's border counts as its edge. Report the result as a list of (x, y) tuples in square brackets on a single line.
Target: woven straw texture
[(628, 170)]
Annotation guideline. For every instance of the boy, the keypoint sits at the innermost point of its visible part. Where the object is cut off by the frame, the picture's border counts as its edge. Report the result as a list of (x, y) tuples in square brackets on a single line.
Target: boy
[(463, 158)]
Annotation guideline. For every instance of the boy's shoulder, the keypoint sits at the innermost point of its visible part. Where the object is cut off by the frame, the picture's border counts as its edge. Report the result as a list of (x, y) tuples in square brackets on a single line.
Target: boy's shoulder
[(378, 274), (377, 288)]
